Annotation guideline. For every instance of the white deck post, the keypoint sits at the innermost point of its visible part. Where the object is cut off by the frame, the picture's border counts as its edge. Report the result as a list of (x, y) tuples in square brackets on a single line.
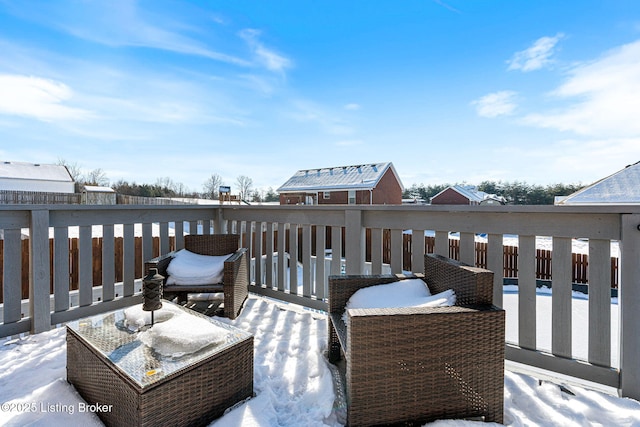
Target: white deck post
[(354, 241), (396, 251), (629, 300), (442, 243), (39, 274), (468, 248), (417, 251), (219, 222), (495, 263)]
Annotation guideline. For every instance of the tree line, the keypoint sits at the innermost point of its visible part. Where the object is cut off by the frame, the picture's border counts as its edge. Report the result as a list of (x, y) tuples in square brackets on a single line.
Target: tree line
[(167, 187), (515, 193)]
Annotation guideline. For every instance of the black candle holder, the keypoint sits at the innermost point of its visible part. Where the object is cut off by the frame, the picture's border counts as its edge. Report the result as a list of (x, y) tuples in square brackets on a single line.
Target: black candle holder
[(152, 292)]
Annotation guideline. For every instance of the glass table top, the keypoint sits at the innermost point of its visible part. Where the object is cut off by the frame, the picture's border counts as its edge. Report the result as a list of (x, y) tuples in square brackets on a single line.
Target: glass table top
[(110, 335)]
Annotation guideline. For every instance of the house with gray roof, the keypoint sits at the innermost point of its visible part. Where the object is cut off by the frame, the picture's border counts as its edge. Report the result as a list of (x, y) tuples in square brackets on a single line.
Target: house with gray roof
[(21, 176), (621, 188), (364, 184)]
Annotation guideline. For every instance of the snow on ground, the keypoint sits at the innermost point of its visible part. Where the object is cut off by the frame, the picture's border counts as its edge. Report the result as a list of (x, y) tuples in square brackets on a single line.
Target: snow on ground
[(579, 318), (292, 382), (578, 245)]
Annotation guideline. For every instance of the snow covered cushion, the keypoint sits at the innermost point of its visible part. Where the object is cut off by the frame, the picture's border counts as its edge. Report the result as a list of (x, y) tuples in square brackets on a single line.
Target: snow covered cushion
[(174, 333), (188, 268), (183, 334), (404, 293)]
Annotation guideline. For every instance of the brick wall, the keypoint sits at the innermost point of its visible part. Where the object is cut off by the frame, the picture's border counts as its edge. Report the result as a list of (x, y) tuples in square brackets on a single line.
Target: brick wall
[(388, 190), (450, 197)]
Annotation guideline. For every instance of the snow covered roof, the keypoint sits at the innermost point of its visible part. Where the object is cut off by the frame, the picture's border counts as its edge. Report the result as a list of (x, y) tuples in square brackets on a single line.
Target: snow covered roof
[(34, 171), (623, 187), (361, 177), (469, 192), (98, 189)]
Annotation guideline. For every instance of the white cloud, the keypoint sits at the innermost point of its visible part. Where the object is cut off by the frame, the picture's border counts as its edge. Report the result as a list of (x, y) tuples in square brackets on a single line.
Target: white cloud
[(37, 97), (537, 56), (268, 58), (352, 107), (124, 23), (604, 97), (496, 104)]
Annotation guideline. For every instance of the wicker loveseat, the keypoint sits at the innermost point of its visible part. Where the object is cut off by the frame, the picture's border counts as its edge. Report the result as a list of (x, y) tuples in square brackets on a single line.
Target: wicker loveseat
[(421, 364), (235, 283)]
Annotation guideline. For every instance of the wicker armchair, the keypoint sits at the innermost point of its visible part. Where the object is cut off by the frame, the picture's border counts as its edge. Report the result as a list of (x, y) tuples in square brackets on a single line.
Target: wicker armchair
[(421, 364), (235, 284)]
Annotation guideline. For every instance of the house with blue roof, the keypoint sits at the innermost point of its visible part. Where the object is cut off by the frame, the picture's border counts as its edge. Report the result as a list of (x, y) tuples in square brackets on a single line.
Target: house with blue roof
[(364, 184)]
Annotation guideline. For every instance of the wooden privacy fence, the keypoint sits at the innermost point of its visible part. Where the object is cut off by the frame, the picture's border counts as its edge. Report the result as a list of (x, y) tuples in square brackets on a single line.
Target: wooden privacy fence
[(74, 251), (579, 262), (38, 197), (543, 258), (510, 256)]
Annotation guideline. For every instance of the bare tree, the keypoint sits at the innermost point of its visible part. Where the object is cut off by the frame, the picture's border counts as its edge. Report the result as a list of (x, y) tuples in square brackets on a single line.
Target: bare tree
[(73, 168), (166, 183), (211, 187), (244, 184), (97, 177), (171, 188)]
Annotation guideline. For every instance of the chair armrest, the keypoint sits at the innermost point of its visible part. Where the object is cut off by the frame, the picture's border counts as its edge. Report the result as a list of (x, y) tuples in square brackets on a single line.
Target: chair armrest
[(472, 285), (236, 255), (396, 313), (235, 282), (161, 263)]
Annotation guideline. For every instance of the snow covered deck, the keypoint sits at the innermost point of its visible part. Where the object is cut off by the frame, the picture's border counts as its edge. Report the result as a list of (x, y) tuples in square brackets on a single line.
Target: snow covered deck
[(293, 382), (596, 347)]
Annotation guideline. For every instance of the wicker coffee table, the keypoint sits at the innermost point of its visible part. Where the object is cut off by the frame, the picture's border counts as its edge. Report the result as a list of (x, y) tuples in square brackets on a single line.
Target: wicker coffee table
[(131, 384)]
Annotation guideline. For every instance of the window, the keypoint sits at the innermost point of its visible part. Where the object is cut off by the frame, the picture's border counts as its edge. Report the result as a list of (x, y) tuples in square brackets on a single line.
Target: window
[(327, 195), (352, 197)]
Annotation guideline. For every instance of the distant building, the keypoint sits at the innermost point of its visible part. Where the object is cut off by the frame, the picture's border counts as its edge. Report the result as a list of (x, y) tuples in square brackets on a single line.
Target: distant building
[(465, 195), (20, 176), (414, 200), (365, 184), (98, 195), (621, 188)]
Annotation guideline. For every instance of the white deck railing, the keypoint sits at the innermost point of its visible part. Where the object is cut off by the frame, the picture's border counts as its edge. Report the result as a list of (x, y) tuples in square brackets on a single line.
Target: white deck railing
[(280, 237)]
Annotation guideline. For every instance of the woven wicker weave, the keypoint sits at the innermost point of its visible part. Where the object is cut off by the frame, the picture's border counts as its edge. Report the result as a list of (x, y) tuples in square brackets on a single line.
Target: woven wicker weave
[(101, 359), (235, 283), (414, 365)]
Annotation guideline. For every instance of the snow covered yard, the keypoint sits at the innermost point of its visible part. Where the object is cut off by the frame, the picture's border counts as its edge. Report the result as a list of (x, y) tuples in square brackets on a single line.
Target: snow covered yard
[(292, 382)]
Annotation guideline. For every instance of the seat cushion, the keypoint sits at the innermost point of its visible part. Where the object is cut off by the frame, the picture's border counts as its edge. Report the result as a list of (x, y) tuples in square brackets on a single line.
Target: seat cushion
[(188, 268), (403, 293)]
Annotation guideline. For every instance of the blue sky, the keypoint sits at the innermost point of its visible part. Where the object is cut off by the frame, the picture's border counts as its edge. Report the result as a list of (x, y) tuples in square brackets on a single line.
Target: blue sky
[(448, 90)]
